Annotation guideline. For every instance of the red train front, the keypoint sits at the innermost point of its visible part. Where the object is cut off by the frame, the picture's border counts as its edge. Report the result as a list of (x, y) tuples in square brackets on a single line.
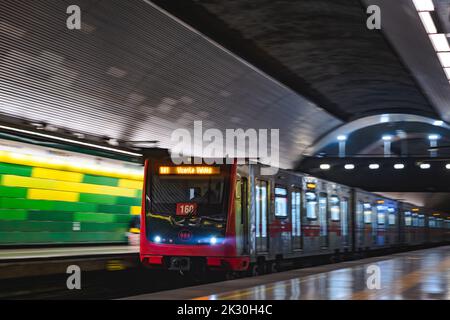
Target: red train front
[(187, 219)]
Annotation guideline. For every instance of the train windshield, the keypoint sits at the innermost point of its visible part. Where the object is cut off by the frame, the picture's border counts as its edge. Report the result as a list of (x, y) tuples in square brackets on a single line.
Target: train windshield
[(187, 204), (188, 195)]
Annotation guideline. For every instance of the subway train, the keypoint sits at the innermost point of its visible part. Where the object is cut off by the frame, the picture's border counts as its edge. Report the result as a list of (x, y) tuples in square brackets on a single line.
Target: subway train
[(231, 217)]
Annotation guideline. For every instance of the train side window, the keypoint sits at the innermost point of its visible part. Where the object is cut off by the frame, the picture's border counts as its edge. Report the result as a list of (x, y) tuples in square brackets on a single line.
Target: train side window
[(295, 208), (367, 212), (261, 208), (281, 199), (391, 216), (344, 213), (431, 222), (311, 205), (359, 213), (381, 214), (408, 219), (335, 210), (244, 198), (421, 220), (415, 220)]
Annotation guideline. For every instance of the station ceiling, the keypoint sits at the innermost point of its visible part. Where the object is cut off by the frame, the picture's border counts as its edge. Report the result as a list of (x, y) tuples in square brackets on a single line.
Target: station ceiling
[(137, 70), (320, 48), (135, 73)]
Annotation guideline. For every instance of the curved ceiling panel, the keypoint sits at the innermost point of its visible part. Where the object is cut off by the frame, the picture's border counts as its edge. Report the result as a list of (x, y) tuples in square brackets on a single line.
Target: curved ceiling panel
[(135, 73), (321, 48)]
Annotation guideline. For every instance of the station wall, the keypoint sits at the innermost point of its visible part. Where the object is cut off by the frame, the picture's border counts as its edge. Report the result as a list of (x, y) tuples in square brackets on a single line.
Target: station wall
[(47, 201)]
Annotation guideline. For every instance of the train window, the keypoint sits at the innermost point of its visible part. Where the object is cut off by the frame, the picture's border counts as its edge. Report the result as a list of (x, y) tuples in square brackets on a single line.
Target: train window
[(334, 208), (415, 220), (421, 220), (359, 214), (432, 222), (381, 214), (311, 205), (295, 207), (367, 212), (408, 218), (281, 199), (244, 200), (344, 213), (323, 214), (391, 216), (261, 209)]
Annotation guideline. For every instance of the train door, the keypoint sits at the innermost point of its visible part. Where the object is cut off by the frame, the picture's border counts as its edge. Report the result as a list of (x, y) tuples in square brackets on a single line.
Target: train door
[(241, 208), (261, 210), (323, 220), (296, 219)]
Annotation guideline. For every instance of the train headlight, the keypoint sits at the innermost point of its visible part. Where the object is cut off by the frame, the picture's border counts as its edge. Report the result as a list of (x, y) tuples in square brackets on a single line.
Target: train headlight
[(213, 240), (157, 239)]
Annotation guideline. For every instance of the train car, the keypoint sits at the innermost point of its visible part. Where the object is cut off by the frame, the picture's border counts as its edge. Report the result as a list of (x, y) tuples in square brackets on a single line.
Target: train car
[(231, 217), (377, 222)]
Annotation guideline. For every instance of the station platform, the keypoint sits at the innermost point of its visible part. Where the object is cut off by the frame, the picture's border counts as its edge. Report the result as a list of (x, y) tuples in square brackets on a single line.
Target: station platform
[(58, 252), (29, 262), (421, 274)]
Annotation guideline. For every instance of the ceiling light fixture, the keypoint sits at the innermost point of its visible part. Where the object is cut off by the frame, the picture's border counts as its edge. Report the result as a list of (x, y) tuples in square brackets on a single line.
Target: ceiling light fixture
[(81, 143)]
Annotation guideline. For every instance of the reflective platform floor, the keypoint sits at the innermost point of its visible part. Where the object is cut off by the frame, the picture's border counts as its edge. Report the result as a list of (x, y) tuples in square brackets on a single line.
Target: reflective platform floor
[(422, 274), (33, 253)]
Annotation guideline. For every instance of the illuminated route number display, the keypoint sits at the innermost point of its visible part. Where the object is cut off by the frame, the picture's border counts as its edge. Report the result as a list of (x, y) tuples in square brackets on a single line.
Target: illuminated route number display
[(188, 170), (186, 208)]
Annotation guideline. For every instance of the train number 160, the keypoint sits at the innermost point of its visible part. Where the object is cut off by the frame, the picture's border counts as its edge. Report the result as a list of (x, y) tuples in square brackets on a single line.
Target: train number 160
[(186, 208)]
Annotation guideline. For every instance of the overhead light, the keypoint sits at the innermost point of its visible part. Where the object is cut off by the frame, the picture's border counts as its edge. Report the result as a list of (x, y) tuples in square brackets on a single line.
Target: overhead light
[(424, 5), (213, 240), (439, 41), (325, 166), (349, 167), (447, 166), (427, 22), (447, 72), (425, 166), (433, 137), (374, 166), (444, 57), (387, 138), (341, 138), (399, 166), (81, 143), (384, 118), (438, 123)]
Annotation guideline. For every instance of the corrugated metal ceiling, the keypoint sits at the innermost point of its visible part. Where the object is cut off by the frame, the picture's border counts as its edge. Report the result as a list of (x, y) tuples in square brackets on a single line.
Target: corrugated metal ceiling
[(135, 73)]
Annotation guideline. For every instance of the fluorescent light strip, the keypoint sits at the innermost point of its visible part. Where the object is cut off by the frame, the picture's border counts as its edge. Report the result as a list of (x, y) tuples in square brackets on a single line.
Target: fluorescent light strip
[(43, 135), (424, 5), (447, 72), (444, 57), (439, 41), (427, 22), (374, 166)]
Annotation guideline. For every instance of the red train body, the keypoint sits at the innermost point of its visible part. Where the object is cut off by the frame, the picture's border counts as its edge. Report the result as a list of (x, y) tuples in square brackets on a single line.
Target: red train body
[(230, 217)]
